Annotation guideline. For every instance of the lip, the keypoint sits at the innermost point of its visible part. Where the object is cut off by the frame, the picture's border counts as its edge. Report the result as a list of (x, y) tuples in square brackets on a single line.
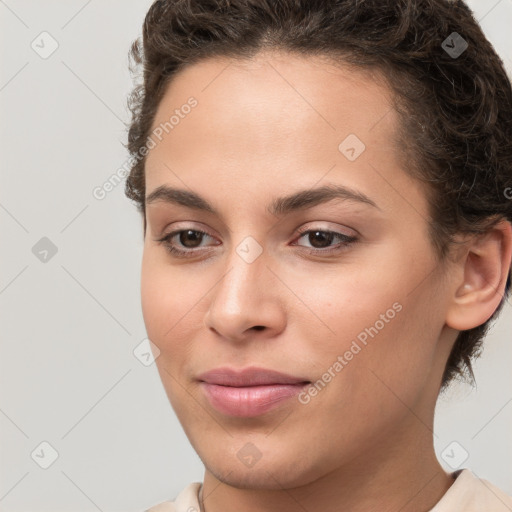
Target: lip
[(249, 392), (252, 376)]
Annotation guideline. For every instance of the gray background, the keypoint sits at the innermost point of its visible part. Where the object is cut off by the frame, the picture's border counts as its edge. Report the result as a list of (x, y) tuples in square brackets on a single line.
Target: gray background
[(69, 376)]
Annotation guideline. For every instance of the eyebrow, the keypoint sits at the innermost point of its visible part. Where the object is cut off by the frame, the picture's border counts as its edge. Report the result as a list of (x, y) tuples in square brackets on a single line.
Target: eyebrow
[(300, 200)]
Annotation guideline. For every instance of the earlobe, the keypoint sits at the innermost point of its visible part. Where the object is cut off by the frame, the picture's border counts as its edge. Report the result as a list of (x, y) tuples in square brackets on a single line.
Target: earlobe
[(486, 266)]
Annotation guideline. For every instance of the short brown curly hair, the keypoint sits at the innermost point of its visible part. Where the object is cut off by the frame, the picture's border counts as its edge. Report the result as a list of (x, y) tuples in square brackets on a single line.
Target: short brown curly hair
[(455, 110)]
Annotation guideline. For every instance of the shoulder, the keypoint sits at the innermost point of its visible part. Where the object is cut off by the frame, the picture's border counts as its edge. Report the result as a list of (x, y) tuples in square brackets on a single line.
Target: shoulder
[(186, 501), (469, 493)]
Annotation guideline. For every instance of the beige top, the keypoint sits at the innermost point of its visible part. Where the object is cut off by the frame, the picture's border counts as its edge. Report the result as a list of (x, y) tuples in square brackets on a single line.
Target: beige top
[(467, 494)]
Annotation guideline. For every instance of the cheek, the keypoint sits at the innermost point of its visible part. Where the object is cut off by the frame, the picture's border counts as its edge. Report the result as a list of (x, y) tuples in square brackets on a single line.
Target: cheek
[(173, 305), (392, 369), (153, 300), (381, 377), (344, 302), (381, 323), (163, 297), (167, 312)]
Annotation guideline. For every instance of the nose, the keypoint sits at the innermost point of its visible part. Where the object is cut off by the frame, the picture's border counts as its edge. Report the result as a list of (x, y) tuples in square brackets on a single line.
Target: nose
[(245, 301)]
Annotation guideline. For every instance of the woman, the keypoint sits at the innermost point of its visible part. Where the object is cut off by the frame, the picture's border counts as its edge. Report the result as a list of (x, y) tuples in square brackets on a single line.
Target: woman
[(325, 188)]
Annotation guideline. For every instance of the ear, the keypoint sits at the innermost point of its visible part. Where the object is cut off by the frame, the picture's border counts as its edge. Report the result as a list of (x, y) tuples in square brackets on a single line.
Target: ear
[(485, 267)]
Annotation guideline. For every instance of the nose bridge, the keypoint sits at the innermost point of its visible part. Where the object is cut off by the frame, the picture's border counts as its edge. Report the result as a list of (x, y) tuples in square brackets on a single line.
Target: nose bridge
[(242, 281), (240, 300)]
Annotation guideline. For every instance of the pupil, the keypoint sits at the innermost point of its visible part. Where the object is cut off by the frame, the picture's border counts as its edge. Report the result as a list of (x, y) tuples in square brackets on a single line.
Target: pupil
[(190, 234), (327, 237)]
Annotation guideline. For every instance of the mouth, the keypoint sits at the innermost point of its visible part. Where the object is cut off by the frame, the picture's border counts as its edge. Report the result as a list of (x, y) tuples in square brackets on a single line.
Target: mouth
[(249, 392)]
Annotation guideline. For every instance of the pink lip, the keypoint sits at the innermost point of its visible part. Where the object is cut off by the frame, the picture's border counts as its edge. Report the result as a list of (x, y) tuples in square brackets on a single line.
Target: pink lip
[(249, 392)]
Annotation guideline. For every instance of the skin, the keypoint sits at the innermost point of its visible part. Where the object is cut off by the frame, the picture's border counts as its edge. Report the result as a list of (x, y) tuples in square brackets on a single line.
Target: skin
[(264, 128)]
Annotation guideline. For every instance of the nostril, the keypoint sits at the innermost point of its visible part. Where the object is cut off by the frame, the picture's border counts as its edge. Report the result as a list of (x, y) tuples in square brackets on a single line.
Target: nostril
[(259, 327)]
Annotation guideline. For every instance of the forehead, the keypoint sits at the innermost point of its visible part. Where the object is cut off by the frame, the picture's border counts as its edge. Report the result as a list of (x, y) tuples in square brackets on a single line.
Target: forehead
[(277, 119), (278, 93)]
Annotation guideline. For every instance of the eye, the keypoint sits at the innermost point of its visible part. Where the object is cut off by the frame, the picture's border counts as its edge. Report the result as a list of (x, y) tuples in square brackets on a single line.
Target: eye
[(320, 239), (183, 243), (188, 238)]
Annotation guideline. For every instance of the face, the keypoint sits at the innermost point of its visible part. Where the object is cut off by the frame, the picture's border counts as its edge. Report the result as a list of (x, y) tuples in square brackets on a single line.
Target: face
[(342, 292)]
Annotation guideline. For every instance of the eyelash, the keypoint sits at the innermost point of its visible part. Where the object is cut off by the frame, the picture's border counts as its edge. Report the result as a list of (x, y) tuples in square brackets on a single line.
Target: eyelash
[(346, 241)]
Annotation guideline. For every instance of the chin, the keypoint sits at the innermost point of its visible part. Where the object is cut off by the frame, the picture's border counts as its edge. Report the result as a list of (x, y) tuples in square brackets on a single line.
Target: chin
[(275, 473), (270, 479)]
